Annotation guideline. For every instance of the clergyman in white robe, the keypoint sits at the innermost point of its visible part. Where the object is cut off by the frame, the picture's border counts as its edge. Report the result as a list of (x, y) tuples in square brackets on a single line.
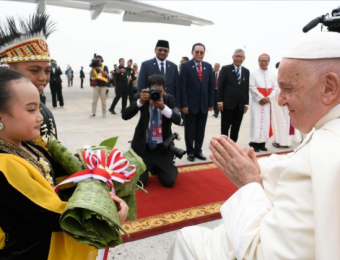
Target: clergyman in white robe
[(263, 83)]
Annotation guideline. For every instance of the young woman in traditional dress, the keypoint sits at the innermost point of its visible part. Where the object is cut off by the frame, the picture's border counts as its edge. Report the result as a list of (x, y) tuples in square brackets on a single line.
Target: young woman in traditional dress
[(30, 209)]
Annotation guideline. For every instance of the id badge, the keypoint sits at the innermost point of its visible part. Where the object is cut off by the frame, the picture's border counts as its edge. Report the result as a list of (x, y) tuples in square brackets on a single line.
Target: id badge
[(157, 133)]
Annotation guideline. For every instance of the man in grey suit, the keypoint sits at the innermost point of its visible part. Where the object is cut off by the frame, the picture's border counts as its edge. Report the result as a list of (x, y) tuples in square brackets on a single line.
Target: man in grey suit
[(197, 98), (161, 66)]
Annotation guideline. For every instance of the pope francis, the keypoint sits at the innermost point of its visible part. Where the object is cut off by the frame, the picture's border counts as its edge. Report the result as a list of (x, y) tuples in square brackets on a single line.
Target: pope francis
[(287, 207)]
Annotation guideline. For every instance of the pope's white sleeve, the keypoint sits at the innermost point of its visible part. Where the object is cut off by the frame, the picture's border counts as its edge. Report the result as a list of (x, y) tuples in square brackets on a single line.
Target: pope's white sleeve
[(242, 215)]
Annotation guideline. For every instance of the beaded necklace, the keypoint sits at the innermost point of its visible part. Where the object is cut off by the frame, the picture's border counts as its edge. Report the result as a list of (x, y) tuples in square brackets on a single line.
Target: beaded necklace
[(41, 164)]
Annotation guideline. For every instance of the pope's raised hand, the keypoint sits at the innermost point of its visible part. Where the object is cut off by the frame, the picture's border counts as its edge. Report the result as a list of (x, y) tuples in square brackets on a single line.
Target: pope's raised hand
[(239, 165)]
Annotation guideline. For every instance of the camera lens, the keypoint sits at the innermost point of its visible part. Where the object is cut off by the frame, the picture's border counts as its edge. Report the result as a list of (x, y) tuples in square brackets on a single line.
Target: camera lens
[(155, 96)]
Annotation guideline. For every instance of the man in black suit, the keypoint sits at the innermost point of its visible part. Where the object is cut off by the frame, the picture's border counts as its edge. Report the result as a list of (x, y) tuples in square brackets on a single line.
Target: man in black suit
[(154, 128), (55, 84), (121, 86), (82, 76), (197, 98), (161, 66), (233, 95), (130, 72)]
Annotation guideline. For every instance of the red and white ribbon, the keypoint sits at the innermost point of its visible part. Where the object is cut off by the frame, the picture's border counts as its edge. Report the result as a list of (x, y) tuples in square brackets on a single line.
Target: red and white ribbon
[(113, 167)]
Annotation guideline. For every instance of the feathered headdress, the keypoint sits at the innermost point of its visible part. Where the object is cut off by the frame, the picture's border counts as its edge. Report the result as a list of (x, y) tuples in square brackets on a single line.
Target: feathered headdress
[(25, 42)]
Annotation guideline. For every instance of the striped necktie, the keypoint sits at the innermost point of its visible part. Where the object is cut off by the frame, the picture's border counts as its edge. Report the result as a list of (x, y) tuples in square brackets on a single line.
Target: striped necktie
[(238, 74)]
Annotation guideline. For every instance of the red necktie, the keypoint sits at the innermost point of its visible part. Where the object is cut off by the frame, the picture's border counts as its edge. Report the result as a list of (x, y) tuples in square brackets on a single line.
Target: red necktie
[(216, 80), (200, 72)]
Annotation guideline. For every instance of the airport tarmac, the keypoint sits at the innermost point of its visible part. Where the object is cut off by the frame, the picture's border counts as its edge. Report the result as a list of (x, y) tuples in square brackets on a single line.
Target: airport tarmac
[(76, 129)]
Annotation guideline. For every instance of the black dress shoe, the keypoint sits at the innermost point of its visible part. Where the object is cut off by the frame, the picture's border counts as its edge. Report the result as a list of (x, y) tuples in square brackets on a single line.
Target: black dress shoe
[(112, 111), (191, 158), (262, 147), (276, 145), (200, 156)]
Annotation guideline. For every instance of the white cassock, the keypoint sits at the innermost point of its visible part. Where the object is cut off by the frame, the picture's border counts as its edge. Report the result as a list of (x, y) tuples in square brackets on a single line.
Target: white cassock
[(295, 215), (282, 132), (262, 84)]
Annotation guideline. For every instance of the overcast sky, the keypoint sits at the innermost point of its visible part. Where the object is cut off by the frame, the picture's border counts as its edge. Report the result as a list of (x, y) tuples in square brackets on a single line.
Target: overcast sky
[(257, 26)]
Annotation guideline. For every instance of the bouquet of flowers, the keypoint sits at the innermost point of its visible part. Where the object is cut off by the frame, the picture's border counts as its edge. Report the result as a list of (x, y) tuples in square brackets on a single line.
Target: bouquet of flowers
[(90, 215)]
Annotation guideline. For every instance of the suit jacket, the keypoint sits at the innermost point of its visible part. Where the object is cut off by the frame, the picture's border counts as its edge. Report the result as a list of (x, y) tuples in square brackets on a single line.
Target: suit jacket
[(82, 75), (228, 90), (172, 86), (55, 77), (139, 138), (196, 95)]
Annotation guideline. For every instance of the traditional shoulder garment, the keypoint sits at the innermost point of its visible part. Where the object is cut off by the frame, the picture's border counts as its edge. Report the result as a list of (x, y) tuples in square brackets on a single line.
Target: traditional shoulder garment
[(30, 210), (27, 43), (262, 84)]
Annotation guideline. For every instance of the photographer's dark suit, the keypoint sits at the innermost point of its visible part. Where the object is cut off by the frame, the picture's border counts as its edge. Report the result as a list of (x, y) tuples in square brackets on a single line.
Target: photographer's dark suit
[(55, 86), (158, 159), (234, 98), (150, 67)]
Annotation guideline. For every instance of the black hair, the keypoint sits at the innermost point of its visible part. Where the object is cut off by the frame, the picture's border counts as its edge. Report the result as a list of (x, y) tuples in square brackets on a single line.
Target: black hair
[(185, 58), (6, 94), (277, 65), (121, 59), (100, 57), (157, 80), (130, 60), (197, 44)]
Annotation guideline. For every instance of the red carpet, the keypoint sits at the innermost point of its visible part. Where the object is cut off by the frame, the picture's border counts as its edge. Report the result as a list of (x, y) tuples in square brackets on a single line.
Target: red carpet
[(197, 196)]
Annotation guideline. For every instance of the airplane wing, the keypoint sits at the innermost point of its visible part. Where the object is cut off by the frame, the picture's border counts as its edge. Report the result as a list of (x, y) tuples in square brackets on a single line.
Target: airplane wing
[(134, 11)]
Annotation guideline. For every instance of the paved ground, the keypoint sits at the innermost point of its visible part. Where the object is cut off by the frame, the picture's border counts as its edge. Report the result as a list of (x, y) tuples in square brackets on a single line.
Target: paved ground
[(76, 129)]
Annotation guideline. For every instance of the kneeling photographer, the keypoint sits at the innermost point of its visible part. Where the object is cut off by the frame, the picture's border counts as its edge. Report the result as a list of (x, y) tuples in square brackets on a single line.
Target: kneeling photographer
[(157, 113)]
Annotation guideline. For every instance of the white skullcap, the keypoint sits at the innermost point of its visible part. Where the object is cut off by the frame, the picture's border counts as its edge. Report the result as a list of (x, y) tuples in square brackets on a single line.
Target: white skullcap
[(320, 45)]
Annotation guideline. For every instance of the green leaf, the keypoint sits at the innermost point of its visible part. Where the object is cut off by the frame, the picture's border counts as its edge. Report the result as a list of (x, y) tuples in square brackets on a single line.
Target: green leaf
[(111, 142)]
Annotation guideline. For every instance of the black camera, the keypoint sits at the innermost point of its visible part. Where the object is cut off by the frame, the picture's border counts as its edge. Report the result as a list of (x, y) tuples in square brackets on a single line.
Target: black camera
[(169, 144), (155, 94), (332, 23), (94, 62)]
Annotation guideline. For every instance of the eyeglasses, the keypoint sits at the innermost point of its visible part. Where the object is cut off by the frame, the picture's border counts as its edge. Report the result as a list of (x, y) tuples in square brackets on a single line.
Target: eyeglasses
[(162, 50), (264, 61), (199, 52)]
